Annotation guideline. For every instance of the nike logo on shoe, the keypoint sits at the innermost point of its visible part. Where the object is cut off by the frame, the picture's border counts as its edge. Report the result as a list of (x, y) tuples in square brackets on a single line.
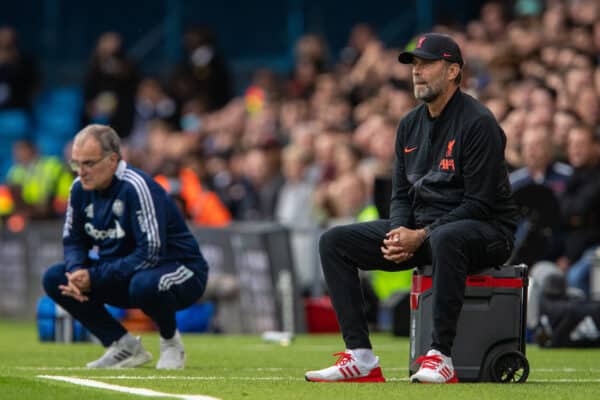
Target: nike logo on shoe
[(410, 149)]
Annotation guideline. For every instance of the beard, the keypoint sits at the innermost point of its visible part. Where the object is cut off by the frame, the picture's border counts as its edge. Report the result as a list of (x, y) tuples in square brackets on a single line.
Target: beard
[(427, 93)]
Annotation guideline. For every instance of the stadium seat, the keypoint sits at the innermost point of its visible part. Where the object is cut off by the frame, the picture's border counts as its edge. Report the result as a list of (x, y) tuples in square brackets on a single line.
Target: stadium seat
[(14, 125), (49, 145), (5, 159), (195, 318), (57, 114), (56, 325), (66, 98), (116, 312), (57, 122)]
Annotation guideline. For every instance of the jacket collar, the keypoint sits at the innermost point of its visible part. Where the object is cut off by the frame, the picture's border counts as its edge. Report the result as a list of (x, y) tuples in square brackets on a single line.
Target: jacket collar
[(116, 179), (449, 108)]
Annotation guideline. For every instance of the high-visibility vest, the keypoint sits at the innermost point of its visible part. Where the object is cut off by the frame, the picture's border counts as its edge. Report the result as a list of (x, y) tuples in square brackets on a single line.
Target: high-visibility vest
[(204, 206), (46, 179)]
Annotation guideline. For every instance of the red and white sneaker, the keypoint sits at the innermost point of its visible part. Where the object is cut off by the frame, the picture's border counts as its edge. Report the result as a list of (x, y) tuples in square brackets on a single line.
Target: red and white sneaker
[(347, 369), (435, 368)]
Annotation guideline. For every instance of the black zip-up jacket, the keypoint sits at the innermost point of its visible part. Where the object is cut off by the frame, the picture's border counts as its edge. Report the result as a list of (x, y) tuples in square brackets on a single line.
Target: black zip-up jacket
[(451, 168)]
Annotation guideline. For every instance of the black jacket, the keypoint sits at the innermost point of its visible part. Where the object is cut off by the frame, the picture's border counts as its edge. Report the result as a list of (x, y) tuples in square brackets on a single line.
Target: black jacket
[(451, 168)]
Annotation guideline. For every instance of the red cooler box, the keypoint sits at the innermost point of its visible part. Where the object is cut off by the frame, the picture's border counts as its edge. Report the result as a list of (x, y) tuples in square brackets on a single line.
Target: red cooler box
[(490, 337)]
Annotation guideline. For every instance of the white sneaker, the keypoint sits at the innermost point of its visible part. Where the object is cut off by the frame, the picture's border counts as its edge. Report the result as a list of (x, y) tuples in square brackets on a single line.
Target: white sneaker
[(347, 369), (172, 354), (435, 368), (126, 352)]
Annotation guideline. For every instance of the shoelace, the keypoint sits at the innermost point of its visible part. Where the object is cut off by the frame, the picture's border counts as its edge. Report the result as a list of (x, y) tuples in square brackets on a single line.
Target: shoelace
[(431, 362), (343, 358)]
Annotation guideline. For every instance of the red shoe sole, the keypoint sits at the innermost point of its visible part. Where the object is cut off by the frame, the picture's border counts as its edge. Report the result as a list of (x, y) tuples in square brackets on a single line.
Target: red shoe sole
[(375, 376)]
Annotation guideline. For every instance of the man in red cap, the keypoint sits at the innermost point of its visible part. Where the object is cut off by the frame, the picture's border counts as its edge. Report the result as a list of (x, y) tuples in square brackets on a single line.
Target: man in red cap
[(451, 207)]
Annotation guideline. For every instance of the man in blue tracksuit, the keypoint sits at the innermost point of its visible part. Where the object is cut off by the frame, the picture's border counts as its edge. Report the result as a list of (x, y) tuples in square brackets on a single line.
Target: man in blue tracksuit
[(125, 244)]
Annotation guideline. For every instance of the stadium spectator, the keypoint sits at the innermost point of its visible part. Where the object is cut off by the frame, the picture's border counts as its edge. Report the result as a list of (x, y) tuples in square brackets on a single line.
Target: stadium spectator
[(580, 207), (293, 204), (227, 170), (310, 59), (153, 156), (39, 184), (125, 244), (294, 210), (109, 85), (202, 206), (152, 103), (587, 106), (360, 36), (262, 170), (203, 73), (493, 19), (399, 100), (539, 169), (562, 122), (292, 113), (539, 166), (333, 201), (19, 77), (513, 126)]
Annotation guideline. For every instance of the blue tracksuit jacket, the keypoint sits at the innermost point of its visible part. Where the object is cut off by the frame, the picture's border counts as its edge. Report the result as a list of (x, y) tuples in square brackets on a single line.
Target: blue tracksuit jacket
[(132, 225)]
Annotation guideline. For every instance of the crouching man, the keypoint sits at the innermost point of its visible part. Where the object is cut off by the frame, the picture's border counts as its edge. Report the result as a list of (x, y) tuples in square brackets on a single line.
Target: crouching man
[(125, 244)]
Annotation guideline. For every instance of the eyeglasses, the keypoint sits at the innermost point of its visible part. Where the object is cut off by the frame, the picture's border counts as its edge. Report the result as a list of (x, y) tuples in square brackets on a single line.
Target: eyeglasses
[(87, 164)]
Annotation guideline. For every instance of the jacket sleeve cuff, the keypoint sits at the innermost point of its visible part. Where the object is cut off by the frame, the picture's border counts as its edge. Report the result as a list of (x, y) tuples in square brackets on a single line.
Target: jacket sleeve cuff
[(427, 230), (96, 278)]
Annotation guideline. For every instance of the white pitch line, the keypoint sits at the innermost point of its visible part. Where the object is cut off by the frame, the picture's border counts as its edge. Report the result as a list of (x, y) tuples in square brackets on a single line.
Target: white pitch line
[(294, 378), (574, 380), (78, 380), (23, 368), (54, 368), (124, 389), (192, 378)]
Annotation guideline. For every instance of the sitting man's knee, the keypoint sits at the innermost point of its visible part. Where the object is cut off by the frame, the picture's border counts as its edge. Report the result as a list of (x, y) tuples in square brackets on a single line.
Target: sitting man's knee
[(445, 237), (330, 239), (140, 293)]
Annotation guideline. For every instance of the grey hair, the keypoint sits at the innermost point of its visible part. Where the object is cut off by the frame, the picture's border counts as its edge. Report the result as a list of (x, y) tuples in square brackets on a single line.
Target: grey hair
[(103, 134)]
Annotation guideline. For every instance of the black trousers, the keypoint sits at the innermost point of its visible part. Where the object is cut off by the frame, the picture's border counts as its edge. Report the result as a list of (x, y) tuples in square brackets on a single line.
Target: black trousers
[(454, 250)]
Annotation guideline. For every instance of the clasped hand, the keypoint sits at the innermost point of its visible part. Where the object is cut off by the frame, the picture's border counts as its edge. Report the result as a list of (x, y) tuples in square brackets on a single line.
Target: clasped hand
[(78, 283), (401, 243)]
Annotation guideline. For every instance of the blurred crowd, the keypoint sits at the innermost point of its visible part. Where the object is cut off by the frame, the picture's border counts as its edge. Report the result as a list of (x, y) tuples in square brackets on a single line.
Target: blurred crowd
[(306, 148)]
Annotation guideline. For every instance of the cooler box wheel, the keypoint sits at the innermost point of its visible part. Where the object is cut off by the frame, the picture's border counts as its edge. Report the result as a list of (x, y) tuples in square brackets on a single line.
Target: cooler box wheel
[(510, 367)]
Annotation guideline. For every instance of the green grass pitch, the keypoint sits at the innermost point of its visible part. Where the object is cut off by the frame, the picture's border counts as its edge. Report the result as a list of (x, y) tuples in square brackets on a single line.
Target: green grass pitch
[(244, 367)]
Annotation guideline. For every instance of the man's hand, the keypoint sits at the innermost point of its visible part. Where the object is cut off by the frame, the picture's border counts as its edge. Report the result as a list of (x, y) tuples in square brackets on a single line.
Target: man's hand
[(401, 243), (78, 283)]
